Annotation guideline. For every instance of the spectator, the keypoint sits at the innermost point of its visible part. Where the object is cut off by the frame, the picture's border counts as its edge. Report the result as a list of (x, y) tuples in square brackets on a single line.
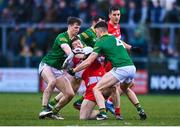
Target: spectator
[(173, 16), (41, 37), (7, 16), (13, 41), (140, 41), (144, 12), (62, 11), (50, 12), (28, 43), (13, 45), (37, 12), (23, 11), (83, 11), (157, 13), (131, 19), (131, 13), (123, 10)]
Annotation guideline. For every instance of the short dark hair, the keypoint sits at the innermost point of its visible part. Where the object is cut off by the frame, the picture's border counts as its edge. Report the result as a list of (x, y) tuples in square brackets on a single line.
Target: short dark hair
[(97, 17), (101, 24), (113, 8), (75, 38), (72, 20)]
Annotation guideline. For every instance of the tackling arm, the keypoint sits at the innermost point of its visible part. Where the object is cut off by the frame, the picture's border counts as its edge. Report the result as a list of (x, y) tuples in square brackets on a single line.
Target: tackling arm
[(132, 48), (86, 62), (66, 48)]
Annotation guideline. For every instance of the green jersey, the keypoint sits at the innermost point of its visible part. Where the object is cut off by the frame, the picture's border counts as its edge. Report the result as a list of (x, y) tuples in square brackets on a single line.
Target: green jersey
[(113, 50), (56, 56), (88, 37)]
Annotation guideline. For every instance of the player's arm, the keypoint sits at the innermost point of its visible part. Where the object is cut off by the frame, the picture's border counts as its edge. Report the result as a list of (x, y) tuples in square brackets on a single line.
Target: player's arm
[(86, 62), (127, 46), (66, 48), (131, 48)]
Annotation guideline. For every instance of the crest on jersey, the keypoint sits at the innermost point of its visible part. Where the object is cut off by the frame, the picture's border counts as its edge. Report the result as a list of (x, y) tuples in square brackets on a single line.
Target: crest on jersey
[(63, 39)]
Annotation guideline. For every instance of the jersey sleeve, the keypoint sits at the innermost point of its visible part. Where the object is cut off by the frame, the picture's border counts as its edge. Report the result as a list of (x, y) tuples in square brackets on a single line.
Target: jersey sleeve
[(61, 40), (97, 48)]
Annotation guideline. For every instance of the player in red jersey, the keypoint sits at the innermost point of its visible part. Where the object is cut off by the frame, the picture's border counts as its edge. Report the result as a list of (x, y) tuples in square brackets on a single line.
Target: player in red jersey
[(91, 76), (114, 28)]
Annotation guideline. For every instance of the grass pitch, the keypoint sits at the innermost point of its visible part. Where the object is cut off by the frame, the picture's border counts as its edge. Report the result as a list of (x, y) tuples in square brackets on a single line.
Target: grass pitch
[(23, 109)]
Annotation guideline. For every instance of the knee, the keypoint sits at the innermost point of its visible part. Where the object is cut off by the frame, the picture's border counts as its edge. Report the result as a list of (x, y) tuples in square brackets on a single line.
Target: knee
[(51, 85), (83, 118), (52, 82), (124, 89), (95, 89)]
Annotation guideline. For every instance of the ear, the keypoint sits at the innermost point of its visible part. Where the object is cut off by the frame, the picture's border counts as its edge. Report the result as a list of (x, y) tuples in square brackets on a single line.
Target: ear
[(109, 15)]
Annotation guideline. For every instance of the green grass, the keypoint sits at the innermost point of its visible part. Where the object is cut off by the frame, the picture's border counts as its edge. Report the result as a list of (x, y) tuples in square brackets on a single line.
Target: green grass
[(23, 109)]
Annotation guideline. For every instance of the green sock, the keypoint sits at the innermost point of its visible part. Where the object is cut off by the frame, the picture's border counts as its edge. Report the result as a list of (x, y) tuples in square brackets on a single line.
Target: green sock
[(55, 110), (138, 107), (102, 111), (44, 107), (53, 102), (80, 100)]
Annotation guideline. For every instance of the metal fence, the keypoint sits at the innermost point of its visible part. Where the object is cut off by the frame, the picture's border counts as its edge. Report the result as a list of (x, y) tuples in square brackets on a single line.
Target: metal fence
[(32, 61)]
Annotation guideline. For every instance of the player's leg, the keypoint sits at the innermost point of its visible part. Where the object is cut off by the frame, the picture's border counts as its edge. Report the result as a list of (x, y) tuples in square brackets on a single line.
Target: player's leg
[(48, 77), (75, 85), (78, 102), (107, 80), (109, 102), (134, 100), (115, 95), (87, 110), (55, 100), (64, 85)]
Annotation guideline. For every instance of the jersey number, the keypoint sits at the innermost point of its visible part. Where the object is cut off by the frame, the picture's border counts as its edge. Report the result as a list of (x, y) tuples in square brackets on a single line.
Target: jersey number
[(119, 42)]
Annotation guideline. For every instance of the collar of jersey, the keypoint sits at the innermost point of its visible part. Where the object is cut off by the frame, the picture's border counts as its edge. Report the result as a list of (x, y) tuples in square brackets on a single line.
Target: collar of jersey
[(93, 29), (104, 35)]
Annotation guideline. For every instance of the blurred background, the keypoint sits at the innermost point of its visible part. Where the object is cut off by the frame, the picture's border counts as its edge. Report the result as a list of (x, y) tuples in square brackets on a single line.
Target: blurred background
[(28, 29)]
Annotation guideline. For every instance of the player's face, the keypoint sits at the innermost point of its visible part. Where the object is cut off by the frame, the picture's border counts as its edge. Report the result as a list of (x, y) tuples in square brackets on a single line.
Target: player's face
[(115, 16), (74, 29), (98, 32), (77, 44)]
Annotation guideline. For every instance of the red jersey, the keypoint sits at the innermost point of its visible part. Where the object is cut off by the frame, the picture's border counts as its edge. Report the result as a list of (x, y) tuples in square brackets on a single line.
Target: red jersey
[(91, 76), (94, 70), (115, 30)]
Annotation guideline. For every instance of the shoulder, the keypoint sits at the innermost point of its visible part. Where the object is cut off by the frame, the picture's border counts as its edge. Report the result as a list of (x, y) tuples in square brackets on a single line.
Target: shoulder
[(62, 37), (86, 33)]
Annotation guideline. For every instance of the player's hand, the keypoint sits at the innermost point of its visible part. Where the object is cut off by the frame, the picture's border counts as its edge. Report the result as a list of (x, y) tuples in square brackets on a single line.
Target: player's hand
[(71, 71), (77, 51), (136, 49)]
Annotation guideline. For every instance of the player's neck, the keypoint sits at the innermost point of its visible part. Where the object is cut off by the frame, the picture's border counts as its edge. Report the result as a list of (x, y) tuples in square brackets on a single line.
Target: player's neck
[(69, 34), (114, 24), (104, 33)]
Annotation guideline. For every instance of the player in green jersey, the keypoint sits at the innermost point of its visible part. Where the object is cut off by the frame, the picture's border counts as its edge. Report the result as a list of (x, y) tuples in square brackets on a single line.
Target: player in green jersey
[(123, 70), (88, 37), (114, 28), (50, 68)]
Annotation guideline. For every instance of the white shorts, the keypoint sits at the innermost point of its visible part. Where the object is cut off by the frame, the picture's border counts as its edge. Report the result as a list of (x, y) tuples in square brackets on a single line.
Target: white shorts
[(124, 74), (55, 71)]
